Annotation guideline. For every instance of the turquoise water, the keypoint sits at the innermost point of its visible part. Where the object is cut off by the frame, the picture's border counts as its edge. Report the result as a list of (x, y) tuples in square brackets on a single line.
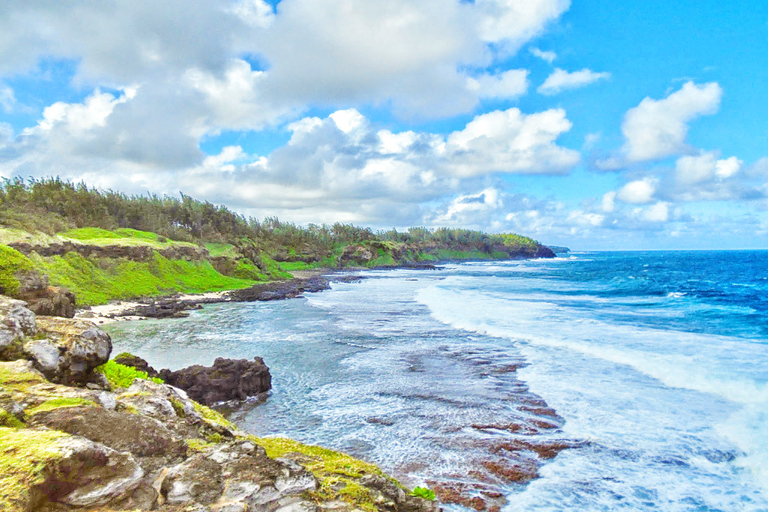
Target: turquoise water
[(657, 362)]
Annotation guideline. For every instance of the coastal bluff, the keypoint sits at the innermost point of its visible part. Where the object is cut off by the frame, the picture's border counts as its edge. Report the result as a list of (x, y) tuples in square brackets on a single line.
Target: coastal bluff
[(81, 432)]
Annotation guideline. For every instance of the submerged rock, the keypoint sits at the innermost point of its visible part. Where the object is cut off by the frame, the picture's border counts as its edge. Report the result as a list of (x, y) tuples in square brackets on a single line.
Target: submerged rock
[(227, 379)]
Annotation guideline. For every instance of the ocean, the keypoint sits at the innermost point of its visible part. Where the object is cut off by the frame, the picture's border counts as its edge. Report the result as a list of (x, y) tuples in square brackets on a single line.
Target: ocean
[(593, 382)]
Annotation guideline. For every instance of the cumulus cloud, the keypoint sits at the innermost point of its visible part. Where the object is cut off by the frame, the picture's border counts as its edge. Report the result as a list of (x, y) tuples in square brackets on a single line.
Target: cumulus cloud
[(657, 129), (637, 192), (413, 55), (510, 141), (512, 22), (509, 84), (331, 164), (548, 56), (561, 80)]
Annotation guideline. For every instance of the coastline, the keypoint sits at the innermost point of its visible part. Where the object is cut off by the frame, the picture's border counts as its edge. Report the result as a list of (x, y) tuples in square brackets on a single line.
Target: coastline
[(178, 304)]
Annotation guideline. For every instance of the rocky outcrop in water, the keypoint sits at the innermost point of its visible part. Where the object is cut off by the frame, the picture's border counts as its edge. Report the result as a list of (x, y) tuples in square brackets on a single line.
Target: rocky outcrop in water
[(149, 447), (227, 379), (280, 290)]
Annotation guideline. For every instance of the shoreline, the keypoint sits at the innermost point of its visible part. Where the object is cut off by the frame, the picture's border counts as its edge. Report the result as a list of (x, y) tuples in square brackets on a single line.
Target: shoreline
[(177, 305)]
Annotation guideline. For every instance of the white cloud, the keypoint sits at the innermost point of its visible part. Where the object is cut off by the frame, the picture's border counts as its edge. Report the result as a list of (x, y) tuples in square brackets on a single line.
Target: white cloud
[(509, 84), (561, 80), (704, 167), (658, 212), (512, 22), (7, 98), (657, 129), (510, 141), (412, 56), (548, 56), (608, 202), (330, 165), (637, 192)]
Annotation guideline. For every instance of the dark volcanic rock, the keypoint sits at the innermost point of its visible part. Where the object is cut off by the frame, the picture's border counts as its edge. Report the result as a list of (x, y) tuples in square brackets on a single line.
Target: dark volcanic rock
[(227, 379), (166, 308), (136, 362), (280, 290)]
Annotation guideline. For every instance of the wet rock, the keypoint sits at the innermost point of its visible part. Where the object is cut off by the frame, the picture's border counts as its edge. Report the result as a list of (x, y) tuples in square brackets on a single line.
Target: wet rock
[(227, 379)]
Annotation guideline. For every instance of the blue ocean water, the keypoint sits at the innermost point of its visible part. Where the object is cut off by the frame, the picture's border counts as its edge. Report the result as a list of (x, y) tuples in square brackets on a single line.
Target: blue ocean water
[(656, 364)]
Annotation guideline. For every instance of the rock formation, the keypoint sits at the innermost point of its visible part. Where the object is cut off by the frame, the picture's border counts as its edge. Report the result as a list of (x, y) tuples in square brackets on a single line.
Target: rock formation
[(92, 445)]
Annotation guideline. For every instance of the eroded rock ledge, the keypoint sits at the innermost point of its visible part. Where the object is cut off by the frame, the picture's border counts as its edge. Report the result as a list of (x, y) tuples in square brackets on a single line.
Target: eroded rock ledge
[(70, 440)]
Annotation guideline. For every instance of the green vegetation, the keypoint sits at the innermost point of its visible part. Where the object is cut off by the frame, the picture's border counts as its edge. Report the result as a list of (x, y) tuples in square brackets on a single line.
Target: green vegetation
[(121, 376), (337, 472), (97, 281), (57, 403), (24, 454), (241, 252), (9, 420), (212, 417), (11, 261), (423, 492)]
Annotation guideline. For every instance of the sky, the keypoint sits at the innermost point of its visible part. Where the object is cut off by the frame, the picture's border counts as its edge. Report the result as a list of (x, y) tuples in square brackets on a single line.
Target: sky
[(594, 125)]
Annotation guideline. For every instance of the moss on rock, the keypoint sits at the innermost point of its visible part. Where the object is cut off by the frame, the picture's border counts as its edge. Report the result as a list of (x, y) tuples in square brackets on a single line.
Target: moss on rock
[(24, 456)]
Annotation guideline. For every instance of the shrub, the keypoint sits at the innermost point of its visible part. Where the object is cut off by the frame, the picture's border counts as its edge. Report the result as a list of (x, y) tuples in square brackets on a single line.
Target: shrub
[(423, 492), (121, 376)]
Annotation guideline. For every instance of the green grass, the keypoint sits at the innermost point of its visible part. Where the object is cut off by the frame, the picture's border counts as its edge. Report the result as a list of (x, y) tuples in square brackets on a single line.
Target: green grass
[(87, 234), (121, 376), (122, 237), (9, 420), (57, 403), (11, 261), (218, 249), (451, 254), (272, 268), (99, 281), (290, 266)]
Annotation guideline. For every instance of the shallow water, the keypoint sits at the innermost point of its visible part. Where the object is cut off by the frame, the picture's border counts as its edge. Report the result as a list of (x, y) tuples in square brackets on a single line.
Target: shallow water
[(655, 362)]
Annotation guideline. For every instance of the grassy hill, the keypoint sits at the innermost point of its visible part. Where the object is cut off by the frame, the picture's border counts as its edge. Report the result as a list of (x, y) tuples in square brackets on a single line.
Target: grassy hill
[(106, 245)]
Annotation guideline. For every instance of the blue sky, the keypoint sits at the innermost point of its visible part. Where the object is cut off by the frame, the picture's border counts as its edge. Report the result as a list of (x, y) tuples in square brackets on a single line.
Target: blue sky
[(634, 125)]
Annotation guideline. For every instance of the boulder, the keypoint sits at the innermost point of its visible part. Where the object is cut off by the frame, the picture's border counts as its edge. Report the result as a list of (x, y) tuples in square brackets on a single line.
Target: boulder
[(50, 466), (43, 299), (16, 323), (227, 379), (81, 346)]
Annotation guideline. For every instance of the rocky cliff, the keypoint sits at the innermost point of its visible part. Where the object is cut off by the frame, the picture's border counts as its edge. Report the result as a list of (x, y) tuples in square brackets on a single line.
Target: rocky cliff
[(71, 438)]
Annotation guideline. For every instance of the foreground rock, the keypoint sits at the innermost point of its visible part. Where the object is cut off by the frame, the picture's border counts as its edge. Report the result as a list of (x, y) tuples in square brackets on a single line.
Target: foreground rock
[(150, 447), (64, 350), (227, 379)]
